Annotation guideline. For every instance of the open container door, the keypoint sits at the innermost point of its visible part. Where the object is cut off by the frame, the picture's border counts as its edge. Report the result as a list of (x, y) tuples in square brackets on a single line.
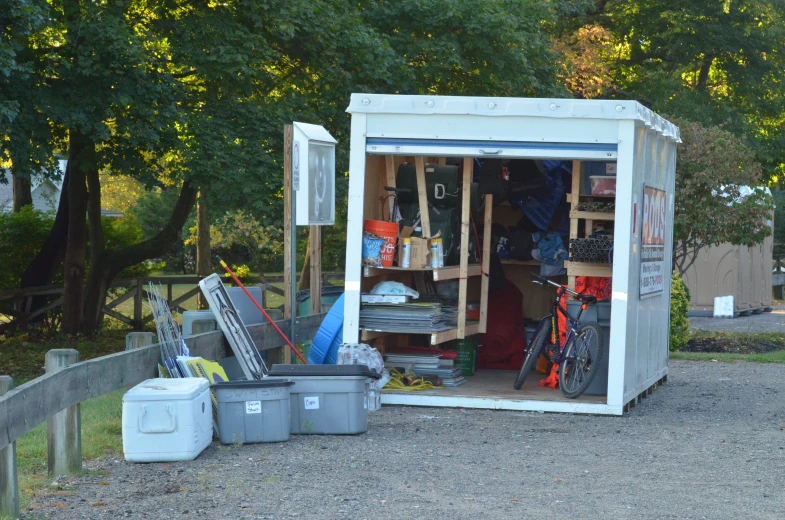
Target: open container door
[(387, 129)]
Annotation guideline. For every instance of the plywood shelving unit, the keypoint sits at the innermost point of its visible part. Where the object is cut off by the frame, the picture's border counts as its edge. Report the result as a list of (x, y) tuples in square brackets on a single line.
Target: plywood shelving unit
[(382, 172), (575, 269)]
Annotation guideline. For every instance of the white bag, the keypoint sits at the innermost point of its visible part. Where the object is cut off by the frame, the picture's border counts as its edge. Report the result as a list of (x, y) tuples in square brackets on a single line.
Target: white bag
[(362, 354)]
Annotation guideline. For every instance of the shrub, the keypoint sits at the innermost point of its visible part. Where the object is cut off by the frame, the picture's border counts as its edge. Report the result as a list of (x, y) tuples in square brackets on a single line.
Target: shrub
[(241, 271), (124, 232), (680, 305), (21, 237)]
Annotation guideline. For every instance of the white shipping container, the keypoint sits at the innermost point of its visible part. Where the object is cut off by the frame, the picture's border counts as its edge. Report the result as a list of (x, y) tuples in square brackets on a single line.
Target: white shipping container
[(641, 146), (167, 420)]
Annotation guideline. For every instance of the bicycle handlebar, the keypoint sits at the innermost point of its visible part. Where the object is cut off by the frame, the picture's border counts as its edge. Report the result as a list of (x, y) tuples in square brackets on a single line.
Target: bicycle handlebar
[(544, 281)]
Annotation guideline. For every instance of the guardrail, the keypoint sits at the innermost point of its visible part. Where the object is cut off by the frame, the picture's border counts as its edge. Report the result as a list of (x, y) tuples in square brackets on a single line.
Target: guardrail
[(55, 397)]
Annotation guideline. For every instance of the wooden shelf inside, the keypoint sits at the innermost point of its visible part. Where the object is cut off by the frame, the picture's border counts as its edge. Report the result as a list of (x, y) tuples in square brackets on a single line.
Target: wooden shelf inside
[(592, 215), (585, 269), (443, 273), (367, 335), (589, 195), (472, 328), (509, 261)]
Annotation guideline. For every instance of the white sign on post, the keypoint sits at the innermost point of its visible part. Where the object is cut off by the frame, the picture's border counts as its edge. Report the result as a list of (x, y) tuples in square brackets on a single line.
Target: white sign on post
[(314, 154), (296, 166), (653, 242)]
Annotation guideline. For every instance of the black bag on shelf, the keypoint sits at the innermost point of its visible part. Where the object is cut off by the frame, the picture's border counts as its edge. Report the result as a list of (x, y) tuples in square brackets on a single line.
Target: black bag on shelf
[(520, 245), (493, 179), (442, 182), (526, 177), (496, 276)]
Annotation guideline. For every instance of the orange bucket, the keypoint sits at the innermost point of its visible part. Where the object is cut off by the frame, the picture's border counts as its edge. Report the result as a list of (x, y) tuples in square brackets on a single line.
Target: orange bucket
[(387, 231)]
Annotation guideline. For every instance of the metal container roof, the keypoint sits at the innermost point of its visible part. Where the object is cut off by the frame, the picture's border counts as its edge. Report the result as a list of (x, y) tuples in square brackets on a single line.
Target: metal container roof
[(585, 109)]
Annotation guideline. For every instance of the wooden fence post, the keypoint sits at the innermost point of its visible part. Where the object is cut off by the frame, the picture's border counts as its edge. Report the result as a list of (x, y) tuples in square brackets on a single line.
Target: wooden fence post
[(64, 429), (9, 482), (283, 355), (138, 304), (263, 287)]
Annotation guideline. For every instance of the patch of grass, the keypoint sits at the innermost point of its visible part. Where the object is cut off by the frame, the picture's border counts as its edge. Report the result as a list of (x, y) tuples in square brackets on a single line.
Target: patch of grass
[(777, 356), (101, 436), (702, 341), (22, 355)]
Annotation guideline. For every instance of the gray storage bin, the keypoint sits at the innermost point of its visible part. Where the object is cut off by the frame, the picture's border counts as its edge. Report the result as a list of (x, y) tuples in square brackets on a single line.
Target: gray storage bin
[(253, 411), (601, 313), (245, 307), (327, 399)]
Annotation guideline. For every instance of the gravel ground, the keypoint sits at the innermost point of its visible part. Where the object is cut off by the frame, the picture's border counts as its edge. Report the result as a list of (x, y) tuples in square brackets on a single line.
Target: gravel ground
[(773, 321), (708, 444)]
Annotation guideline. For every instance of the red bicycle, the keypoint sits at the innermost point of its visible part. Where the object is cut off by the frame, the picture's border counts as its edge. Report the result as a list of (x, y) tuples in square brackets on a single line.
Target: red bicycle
[(579, 357)]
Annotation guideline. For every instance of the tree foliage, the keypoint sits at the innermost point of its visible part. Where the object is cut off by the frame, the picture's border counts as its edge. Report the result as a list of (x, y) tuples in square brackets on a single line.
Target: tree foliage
[(21, 236), (171, 96), (708, 61), (186, 92), (711, 208)]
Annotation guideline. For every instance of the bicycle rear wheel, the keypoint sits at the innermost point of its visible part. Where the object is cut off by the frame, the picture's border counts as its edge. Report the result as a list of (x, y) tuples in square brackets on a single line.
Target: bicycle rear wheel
[(533, 352), (581, 362)]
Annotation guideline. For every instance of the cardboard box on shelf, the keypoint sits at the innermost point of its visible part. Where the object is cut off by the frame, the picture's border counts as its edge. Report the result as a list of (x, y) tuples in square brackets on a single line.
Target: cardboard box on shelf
[(418, 256)]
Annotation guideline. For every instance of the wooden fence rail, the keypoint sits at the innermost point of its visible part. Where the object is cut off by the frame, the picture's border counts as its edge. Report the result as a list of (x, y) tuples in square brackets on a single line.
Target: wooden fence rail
[(23, 298), (67, 384)]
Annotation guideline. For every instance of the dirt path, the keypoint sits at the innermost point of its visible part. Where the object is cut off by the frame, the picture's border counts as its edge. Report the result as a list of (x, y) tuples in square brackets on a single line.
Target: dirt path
[(709, 444), (773, 321)]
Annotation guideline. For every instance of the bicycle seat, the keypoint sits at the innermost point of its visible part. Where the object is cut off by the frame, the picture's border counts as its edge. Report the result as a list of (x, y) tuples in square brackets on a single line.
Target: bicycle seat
[(588, 299)]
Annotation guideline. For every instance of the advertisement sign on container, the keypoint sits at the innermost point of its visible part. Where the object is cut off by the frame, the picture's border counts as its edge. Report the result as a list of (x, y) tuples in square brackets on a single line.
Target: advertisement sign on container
[(653, 242)]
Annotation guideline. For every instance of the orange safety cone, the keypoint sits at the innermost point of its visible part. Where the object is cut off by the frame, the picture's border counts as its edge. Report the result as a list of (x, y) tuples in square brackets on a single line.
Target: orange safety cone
[(552, 381)]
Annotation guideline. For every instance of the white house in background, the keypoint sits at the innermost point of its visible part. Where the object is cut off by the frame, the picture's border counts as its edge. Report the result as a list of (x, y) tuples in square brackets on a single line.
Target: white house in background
[(46, 193)]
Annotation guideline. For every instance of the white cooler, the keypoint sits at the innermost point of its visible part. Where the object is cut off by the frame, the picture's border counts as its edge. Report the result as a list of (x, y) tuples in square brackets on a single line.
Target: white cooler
[(167, 420)]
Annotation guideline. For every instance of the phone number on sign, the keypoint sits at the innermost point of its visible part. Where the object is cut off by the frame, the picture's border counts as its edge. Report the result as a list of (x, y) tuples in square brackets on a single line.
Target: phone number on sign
[(652, 281)]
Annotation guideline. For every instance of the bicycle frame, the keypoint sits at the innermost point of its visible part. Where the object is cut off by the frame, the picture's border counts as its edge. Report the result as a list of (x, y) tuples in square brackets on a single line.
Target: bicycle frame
[(572, 325)]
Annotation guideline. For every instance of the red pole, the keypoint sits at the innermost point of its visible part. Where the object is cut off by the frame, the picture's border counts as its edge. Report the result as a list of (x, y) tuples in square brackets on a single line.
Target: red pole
[(238, 282)]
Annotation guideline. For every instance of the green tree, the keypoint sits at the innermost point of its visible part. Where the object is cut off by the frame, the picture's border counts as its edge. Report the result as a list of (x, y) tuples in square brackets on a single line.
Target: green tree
[(474, 47), (194, 95), (21, 235), (180, 91), (707, 61), (713, 165)]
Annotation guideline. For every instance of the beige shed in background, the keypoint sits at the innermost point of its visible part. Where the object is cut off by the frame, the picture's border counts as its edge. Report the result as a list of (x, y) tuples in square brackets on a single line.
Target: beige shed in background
[(727, 270)]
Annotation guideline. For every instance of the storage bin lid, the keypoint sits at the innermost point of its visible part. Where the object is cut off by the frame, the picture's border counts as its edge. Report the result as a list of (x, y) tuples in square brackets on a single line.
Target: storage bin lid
[(164, 389), (323, 370), (251, 385), (327, 290)]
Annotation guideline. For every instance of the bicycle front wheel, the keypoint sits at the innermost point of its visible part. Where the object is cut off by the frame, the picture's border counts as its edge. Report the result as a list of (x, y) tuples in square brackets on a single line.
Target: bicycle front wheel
[(533, 352), (581, 362)]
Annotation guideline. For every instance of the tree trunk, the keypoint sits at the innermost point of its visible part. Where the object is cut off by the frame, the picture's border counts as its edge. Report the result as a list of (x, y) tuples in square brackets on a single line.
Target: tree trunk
[(46, 263), (81, 152), (204, 265), (95, 297), (108, 265), (703, 74), (23, 193)]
